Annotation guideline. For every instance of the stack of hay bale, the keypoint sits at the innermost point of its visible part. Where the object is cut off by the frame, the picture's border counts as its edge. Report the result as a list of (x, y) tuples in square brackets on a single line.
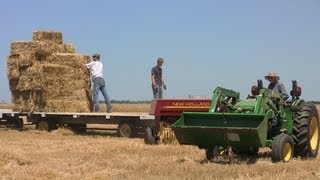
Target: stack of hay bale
[(46, 75)]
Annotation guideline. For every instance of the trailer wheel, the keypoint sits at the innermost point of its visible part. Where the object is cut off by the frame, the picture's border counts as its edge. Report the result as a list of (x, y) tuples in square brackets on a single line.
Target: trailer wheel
[(18, 124), (15, 123), (282, 148), (44, 125), (126, 129), (306, 130)]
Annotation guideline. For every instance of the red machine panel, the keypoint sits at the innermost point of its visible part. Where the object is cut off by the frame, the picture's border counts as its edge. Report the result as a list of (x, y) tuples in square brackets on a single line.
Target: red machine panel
[(175, 107)]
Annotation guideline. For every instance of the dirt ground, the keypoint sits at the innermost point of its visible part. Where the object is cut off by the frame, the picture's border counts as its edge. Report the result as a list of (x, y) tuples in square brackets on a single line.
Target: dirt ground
[(61, 154)]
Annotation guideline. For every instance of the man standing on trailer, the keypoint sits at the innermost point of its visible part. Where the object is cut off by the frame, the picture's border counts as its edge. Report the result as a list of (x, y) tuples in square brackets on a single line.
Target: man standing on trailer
[(96, 69), (157, 80)]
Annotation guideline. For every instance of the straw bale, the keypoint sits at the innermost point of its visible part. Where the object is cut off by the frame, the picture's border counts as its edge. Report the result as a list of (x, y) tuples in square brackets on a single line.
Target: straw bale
[(27, 59), (47, 36), (21, 47), (46, 75), (12, 68), (69, 59), (67, 106), (29, 83), (27, 100)]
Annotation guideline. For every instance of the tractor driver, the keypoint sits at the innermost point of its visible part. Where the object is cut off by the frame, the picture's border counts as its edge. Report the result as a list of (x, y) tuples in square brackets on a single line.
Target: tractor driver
[(276, 85)]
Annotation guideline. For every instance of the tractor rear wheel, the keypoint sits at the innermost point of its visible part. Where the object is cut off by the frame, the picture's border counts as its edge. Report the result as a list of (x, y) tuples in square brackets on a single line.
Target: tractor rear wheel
[(282, 148), (306, 130)]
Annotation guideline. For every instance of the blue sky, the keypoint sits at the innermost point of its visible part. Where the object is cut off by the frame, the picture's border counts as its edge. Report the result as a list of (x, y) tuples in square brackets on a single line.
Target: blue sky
[(205, 43)]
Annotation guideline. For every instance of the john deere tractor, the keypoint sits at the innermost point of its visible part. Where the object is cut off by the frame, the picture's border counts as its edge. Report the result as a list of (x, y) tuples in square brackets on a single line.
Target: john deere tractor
[(290, 127)]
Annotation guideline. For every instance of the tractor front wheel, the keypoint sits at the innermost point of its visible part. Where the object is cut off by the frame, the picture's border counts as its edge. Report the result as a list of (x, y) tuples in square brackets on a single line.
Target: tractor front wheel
[(306, 130), (282, 148)]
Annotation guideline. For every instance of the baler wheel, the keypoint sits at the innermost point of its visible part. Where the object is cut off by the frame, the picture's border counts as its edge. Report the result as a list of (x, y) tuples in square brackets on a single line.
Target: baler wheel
[(149, 137), (306, 130), (282, 148), (210, 153)]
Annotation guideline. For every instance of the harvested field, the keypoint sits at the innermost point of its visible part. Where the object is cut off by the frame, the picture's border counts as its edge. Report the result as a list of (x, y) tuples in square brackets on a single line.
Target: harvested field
[(63, 155), (100, 155)]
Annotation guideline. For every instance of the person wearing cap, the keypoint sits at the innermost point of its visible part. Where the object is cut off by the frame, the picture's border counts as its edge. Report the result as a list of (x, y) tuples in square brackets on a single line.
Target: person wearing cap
[(157, 80), (96, 69), (276, 85)]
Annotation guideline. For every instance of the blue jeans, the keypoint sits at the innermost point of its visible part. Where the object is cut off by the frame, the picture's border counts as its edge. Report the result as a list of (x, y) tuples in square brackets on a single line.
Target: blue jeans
[(99, 85), (157, 92)]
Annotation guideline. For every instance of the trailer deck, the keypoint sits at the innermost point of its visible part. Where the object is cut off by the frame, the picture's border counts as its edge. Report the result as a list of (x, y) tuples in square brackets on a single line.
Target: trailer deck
[(129, 123)]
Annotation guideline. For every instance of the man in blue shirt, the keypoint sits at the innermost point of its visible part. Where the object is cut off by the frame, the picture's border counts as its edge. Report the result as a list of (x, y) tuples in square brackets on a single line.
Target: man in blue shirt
[(275, 85)]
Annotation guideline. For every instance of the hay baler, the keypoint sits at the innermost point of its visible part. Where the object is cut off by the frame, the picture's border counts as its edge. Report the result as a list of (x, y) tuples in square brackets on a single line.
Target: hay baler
[(289, 127), (167, 112)]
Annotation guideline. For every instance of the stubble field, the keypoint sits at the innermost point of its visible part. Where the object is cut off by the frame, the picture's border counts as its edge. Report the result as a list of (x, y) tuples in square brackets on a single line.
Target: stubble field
[(61, 154)]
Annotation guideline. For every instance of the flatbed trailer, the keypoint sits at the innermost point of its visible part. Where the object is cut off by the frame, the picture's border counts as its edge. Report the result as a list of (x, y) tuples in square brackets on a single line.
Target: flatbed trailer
[(129, 124), (162, 113)]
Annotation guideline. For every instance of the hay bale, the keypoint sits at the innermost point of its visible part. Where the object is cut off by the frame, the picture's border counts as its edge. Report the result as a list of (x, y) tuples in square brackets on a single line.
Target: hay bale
[(23, 47), (67, 106), (46, 75), (69, 59), (47, 36), (27, 101)]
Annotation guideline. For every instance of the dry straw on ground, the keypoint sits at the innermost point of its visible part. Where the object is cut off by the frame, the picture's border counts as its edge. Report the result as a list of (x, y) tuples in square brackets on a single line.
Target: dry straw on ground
[(47, 75), (63, 155)]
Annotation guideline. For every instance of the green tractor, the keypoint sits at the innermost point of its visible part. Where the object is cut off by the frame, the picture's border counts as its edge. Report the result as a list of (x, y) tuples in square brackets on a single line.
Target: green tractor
[(289, 127)]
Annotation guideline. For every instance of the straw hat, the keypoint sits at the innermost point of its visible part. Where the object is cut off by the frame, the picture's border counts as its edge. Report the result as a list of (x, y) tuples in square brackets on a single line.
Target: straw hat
[(272, 74)]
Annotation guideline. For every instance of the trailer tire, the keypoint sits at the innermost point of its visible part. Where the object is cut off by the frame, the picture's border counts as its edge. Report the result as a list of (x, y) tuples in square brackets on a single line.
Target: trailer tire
[(126, 129), (282, 148), (306, 130), (44, 125), (18, 124)]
